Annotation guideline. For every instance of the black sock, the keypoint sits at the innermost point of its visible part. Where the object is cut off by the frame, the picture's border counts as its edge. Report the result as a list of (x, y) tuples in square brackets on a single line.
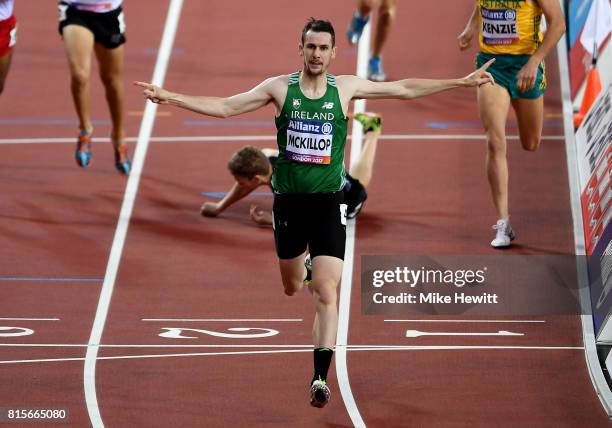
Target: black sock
[(322, 361)]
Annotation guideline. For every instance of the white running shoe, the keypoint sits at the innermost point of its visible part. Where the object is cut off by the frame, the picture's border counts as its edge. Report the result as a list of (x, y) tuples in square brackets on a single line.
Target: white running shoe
[(319, 394), (504, 236)]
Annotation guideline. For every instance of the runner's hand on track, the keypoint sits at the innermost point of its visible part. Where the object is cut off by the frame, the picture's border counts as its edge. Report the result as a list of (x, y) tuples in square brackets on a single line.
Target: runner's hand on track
[(209, 209), (480, 76), (527, 76), (154, 93), (260, 216)]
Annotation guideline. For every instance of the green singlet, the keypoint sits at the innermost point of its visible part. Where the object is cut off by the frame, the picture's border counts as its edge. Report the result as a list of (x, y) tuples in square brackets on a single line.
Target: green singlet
[(311, 136)]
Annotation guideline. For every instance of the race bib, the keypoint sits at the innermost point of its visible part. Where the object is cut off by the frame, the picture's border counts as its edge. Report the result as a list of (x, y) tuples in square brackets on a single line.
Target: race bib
[(309, 141), (499, 26)]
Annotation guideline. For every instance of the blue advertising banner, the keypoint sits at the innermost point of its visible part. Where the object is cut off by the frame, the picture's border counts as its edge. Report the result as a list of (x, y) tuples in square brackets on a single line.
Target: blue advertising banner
[(577, 13)]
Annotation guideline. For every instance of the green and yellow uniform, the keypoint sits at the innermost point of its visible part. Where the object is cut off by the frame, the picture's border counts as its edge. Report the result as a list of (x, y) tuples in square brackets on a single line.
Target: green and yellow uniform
[(510, 32)]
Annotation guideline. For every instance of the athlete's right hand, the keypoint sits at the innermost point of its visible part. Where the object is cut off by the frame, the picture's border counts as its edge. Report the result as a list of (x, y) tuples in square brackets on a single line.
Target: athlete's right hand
[(209, 209), (465, 38), (154, 93), (260, 216)]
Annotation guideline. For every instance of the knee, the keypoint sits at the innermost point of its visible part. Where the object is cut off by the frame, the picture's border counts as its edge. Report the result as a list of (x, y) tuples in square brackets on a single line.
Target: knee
[(111, 80), (80, 77), (531, 144), (496, 144), (326, 293), (292, 286)]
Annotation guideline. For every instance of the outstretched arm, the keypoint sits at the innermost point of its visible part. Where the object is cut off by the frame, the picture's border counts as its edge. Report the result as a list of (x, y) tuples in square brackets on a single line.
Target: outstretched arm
[(355, 87), (237, 192), (245, 102)]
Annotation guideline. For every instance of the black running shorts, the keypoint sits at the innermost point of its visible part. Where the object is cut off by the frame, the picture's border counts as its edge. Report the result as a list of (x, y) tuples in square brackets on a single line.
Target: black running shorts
[(108, 27), (354, 196), (313, 220)]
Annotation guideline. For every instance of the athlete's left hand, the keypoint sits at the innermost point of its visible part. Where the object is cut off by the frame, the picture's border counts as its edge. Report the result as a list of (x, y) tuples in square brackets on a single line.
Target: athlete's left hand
[(527, 76), (260, 216), (480, 76)]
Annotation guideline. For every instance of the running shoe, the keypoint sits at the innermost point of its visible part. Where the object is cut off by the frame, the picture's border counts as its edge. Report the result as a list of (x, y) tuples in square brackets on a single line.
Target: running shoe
[(356, 28), (371, 122), (375, 69), (122, 160), (504, 236), (319, 394), (83, 149)]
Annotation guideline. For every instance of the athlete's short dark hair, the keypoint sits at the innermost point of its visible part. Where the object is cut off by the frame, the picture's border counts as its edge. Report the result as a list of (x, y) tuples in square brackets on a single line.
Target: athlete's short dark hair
[(248, 162), (319, 26)]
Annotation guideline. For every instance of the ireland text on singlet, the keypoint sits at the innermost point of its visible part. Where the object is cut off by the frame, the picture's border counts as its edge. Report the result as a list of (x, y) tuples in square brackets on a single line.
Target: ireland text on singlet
[(311, 135)]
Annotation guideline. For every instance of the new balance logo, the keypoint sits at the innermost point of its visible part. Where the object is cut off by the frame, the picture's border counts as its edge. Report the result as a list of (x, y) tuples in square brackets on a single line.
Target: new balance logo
[(328, 105)]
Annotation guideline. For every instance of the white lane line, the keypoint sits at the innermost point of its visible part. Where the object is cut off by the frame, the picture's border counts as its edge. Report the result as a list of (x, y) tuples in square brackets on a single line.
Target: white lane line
[(474, 321), (223, 319), (224, 138), (146, 128), (464, 348), (307, 348), (417, 333), (29, 319), (344, 306), (135, 357), (84, 345)]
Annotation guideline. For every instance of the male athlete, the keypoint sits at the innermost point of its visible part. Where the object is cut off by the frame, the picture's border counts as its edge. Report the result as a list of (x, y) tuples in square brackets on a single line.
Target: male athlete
[(509, 31), (309, 211), (87, 27), (253, 167), (386, 17)]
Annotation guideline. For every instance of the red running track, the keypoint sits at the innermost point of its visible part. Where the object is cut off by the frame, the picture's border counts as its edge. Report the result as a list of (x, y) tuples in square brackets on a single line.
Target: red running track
[(427, 197)]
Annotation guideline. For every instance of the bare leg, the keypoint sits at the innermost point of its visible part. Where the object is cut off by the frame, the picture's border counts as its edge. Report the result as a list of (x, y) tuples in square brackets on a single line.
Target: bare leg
[(386, 17), (78, 43), (365, 7), (326, 274), (111, 74), (363, 168), (530, 117), (493, 103), (5, 65), (293, 273)]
